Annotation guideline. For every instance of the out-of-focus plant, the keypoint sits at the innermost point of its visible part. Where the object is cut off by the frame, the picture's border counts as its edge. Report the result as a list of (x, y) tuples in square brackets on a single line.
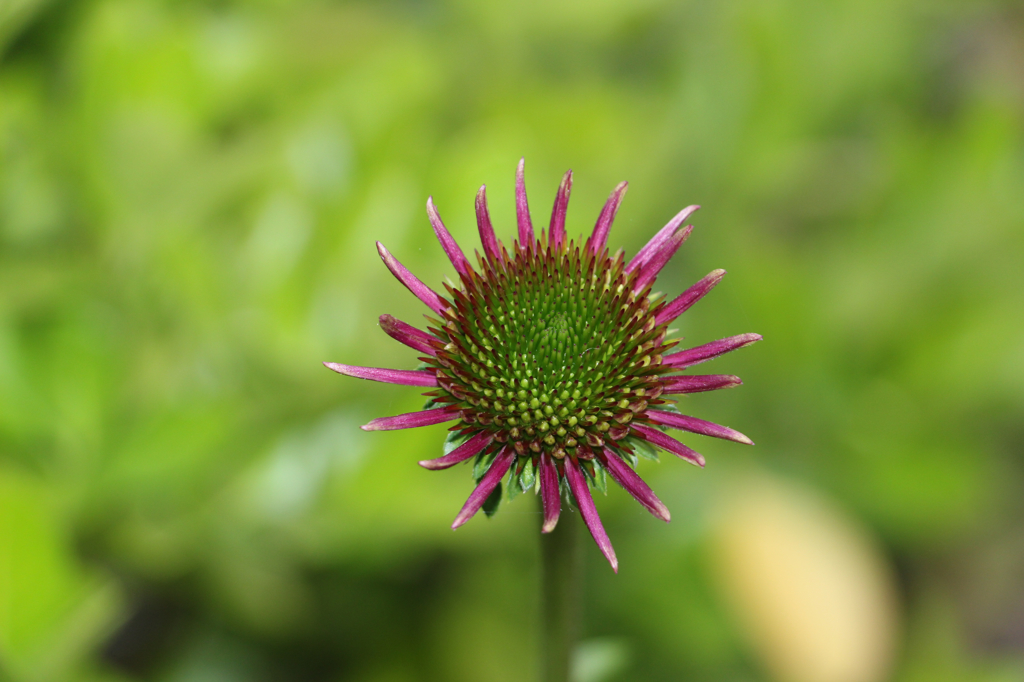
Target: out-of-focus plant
[(187, 191)]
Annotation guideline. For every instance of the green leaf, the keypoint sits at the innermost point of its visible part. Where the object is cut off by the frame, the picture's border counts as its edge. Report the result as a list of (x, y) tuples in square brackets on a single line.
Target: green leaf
[(47, 597), (493, 500), (454, 440), (482, 464), (644, 449), (669, 407), (588, 471), (567, 496), (600, 480), (529, 476), (513, 480)]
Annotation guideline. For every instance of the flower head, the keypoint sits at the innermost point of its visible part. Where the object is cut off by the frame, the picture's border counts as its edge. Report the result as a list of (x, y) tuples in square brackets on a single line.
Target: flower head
[(552, 358)]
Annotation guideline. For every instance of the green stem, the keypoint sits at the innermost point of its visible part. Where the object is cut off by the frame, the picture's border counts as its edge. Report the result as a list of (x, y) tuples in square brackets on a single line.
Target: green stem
[(561, 593)]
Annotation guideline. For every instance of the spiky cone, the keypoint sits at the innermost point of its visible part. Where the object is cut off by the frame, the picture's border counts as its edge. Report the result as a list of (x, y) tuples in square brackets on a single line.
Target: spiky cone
[(553, 359)]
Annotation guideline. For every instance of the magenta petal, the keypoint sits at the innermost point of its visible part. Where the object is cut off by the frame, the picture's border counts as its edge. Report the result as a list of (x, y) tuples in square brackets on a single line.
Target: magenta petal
[(694, 425), (649, 272), (633, 484), (709, 351), (451, 248), (549, 492), (599, 238), (556, 232), (663, 235), (403, 377), (699, 383), (460, 454), (581, 491), (487, 484), (483, 223), (685, 300), (407, 334), (418, 288), (523, 208), (665, 442), (412, 420)]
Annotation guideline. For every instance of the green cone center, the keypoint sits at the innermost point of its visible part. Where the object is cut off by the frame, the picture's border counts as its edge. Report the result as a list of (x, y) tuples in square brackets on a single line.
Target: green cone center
[(551, 350)]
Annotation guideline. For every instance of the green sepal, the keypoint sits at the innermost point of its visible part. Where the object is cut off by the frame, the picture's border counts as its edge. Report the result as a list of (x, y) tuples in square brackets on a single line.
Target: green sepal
[(588, 470), (644, 449), (482, 464), (668, 407), (493, 500), (437, 324), (513, 480), (600, 480), (629, 456), (567, 496), (454, 440), (430, 404), (529, 476)]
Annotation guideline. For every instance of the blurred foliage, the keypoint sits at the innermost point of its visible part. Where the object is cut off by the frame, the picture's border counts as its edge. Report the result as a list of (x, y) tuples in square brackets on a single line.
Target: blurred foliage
[(189, 195)]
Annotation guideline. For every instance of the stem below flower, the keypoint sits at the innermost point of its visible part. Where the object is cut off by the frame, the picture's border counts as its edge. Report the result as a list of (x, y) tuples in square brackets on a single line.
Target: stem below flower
[(561, 593)]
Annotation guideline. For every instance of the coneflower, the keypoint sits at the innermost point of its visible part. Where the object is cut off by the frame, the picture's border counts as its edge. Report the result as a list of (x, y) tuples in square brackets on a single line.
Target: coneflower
[(552, 359)]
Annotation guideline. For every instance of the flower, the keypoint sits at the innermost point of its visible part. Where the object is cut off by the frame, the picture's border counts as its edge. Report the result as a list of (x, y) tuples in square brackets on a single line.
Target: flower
[(553, 361)]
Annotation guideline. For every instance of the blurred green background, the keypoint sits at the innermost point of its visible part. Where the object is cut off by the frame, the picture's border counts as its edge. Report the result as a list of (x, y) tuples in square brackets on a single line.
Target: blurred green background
[(190, 191)]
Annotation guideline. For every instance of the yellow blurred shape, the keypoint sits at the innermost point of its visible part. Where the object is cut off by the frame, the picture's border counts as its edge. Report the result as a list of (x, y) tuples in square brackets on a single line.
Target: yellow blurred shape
[(807, 583)]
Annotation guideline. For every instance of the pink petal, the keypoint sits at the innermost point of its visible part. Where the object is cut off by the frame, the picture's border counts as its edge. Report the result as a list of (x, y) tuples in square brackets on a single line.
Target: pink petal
[(407, 334), (418, 288), (694, 425), (599, 238), (633, 484), (412, 420), (663, 235), (452, 249), (685, 300), (556, 231), (709, 351), (523, 209), (663, 441), (549, 492), (483, 222), (699, 383), (487, 484), (470, 448), (581, 491), (403, 377), (649, 272)]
